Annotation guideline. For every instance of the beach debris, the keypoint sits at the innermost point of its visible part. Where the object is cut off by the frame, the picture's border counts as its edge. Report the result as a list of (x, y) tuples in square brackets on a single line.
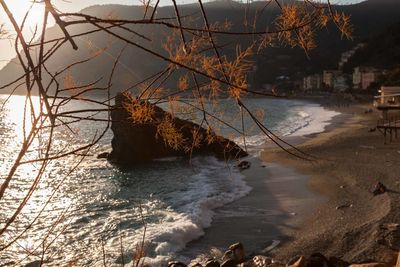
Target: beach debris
[(176, 264), (343, 206), (243, 165), (371, 130), (212, 263), (103, 155), (342, 186), (261, 261), (379, 188)]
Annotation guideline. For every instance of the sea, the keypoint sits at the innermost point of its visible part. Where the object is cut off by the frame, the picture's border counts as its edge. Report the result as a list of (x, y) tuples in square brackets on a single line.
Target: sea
[(84, 211)]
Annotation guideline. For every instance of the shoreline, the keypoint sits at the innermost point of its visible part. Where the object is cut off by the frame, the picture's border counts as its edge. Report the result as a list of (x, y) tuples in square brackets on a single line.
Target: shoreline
[(336, 215), (351, 223), (280, 199)]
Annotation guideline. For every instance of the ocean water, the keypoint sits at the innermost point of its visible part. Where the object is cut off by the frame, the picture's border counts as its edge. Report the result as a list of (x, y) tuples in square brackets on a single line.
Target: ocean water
[(86, 211)]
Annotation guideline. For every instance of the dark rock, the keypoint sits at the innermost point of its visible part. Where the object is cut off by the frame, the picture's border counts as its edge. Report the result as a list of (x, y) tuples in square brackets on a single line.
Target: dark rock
[(212, 263), (229, 263), (317, 260), (176, 264), (336, 262), (243, 165), (238, 254), (379, 188), (136, 142), (103, 155)]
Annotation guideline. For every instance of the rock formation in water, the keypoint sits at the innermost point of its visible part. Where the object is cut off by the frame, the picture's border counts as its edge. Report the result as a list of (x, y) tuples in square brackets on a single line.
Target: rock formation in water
[(136, 142)]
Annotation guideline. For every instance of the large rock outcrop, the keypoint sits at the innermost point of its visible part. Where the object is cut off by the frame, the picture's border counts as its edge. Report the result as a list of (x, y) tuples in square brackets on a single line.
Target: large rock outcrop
[(136, 142)]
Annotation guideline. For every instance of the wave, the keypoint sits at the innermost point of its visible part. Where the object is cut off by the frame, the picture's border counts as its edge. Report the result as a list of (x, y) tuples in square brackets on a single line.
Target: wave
[(215, 185)]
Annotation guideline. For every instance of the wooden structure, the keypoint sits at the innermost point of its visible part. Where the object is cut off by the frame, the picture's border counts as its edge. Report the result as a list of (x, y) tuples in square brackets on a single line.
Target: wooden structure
[(389, 126), (389, 99)]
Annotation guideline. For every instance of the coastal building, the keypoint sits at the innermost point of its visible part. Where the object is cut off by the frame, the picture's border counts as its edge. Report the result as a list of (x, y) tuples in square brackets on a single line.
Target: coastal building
[(388, 100), (312, 82), (329, 76), (340, 83), (363, 77), (389, 96)]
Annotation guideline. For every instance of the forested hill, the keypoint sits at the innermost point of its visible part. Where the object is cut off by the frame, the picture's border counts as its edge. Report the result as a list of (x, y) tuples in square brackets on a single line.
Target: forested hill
[(369, 18), (380, 51)]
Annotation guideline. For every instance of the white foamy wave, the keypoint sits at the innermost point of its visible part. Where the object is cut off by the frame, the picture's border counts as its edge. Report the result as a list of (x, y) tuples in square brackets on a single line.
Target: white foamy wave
[(216, 185), (319, 118), (301, 120)]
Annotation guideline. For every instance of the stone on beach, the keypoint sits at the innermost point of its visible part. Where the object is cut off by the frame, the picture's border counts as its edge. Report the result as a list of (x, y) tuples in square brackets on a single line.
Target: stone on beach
[(212, 263), (379, 188)]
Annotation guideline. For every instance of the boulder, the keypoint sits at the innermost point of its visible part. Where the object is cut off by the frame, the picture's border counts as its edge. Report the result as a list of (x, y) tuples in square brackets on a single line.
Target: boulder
[(212, 263), (137, 141), (228, 263)]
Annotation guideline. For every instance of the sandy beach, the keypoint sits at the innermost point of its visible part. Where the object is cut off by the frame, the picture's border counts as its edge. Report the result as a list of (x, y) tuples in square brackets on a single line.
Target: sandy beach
[(352, 223), (323, 206)]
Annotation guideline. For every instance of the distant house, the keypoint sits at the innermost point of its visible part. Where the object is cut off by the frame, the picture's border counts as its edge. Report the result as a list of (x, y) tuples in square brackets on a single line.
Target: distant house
[(340, 83), (329, 76), (312, 82), (389, 96), (388, 100), (363, 77)]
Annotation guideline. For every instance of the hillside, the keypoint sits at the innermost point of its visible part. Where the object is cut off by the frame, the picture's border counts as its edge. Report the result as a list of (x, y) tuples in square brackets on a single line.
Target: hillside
[(381, 51), (368, 18)]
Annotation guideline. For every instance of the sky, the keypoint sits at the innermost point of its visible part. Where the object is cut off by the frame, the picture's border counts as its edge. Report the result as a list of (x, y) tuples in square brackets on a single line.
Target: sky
[(19, 8)]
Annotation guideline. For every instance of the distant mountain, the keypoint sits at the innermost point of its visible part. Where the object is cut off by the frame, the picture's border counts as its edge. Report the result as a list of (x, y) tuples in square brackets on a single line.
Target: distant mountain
[(368, 18)]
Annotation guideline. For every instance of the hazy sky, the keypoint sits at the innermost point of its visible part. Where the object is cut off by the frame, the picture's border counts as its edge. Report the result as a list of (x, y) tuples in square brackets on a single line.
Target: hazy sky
[(19, 7)]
